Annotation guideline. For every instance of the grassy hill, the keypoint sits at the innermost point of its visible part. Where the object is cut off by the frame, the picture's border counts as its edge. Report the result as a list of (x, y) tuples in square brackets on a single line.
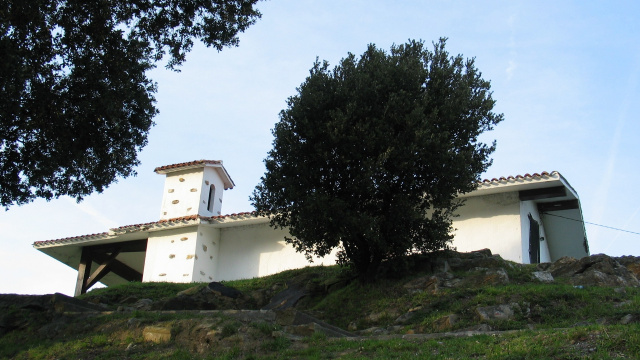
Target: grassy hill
[(477, 307)]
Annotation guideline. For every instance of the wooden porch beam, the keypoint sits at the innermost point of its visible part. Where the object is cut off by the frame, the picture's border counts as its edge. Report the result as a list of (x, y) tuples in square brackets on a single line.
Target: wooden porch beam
[(120, 268), (543, 193), (84, 270), (105, 255), (123, 247), (102, 270)]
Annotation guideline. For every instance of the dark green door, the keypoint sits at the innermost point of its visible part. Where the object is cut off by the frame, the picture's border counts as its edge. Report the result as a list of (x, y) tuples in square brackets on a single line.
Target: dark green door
[(534, 241)]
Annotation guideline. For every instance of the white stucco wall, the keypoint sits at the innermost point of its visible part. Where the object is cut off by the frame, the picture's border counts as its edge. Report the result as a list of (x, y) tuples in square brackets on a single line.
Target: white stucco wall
[(171, 255), (258, 250), (186, 193), (211, 177), (567, 237), (490, 221), (526, 208), (207, 254), (181, 194)]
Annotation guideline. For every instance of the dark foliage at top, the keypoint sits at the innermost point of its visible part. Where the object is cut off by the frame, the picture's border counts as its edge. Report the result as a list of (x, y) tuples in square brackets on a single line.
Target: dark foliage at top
[(76, 103)]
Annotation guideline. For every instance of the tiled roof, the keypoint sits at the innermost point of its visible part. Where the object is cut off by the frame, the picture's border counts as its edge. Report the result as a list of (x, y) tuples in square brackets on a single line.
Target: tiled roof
[(146, 226), (252, 214), (164, 221), (228, 182), (69, 239), (519, 177), (187, 164), (234, 216), (524, 179)]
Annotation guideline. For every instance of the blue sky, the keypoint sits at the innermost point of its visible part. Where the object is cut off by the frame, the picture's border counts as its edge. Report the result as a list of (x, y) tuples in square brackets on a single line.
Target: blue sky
[(564, 73)]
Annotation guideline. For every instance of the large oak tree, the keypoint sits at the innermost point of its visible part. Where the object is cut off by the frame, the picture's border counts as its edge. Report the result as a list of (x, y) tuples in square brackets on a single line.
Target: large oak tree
[(76, 102), (369, 156)]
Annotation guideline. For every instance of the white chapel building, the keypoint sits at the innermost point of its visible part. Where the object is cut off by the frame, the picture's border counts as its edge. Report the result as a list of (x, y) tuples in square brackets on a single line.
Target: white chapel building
[(526, 219)]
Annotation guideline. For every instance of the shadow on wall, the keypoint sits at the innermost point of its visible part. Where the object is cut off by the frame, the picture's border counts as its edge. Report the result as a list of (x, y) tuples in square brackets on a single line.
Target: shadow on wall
[(255, 250)]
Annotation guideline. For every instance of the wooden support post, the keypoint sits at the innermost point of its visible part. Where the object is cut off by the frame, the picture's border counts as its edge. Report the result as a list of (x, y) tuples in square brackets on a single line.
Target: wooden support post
[(102, 270), (119, 268), (105, 255), (84, 270)]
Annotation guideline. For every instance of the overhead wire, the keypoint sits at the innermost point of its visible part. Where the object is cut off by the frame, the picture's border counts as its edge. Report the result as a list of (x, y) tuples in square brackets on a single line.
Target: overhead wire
[(590, 223)]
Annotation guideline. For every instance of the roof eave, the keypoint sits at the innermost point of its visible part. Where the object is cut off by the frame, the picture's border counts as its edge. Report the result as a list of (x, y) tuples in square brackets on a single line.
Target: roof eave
[(137, 231), (518, 183), (199, 164)]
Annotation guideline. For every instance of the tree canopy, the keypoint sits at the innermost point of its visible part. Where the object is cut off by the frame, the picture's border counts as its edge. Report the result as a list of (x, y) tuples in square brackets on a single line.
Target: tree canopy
[(370, 156), (76, 102)]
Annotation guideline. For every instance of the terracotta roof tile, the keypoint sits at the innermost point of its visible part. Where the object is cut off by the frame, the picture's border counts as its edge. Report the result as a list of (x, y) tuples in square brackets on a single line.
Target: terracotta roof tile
[(241, 214), (164, 221), (228, 182), (185, 164), (144, 226), (187, 218), (527, 176), (68, 239)]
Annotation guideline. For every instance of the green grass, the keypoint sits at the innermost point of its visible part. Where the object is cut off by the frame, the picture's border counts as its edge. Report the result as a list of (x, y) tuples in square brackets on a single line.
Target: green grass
[(567, 322), (230, 329), (542, 305), (265, 328), (579, 343), (325, 276), (277, 344)]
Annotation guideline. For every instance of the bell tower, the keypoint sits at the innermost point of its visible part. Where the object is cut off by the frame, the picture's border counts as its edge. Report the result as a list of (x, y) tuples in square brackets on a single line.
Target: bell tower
[(193, 188)]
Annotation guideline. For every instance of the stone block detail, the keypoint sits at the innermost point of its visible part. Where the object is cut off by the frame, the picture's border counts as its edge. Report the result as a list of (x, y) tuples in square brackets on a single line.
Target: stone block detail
[(157, 334)]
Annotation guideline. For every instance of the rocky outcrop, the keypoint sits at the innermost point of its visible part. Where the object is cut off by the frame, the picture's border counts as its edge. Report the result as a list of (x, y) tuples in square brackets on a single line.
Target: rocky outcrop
[(498, 312), (298, 288), (298, 323), (446, 323), (200, 298), (632, 263), (542, 276), (594, 270), (483, 268), (223, 290), (21, 311)]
